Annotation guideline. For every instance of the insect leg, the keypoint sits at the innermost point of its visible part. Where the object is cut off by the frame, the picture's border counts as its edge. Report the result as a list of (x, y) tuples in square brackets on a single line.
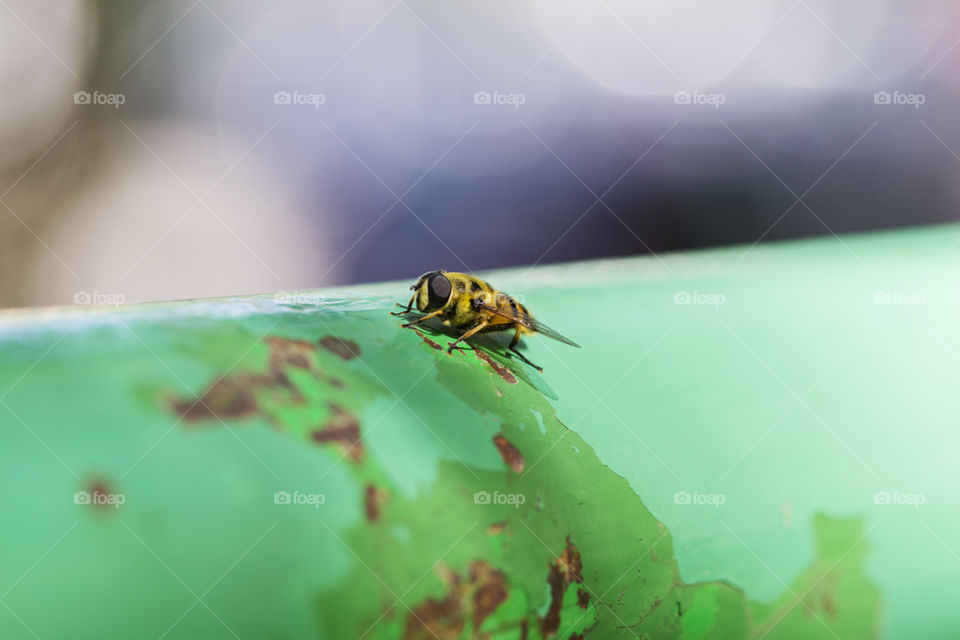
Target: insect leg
[(432, 314), (407, 310), (480, 325), (513, 348)]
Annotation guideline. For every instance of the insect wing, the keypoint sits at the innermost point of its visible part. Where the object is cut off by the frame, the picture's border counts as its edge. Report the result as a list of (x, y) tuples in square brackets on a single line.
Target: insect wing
[(530, 323)]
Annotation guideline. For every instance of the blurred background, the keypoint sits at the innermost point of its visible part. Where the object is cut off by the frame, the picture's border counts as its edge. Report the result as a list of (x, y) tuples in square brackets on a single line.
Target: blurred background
[(158, 150)]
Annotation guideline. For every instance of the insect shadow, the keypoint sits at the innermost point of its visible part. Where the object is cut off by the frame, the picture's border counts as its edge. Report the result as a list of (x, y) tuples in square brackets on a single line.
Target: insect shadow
[(492, 341), (492, 345)]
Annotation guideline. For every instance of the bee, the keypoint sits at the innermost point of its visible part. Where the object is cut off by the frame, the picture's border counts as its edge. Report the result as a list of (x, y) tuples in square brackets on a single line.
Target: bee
[(468, 304)]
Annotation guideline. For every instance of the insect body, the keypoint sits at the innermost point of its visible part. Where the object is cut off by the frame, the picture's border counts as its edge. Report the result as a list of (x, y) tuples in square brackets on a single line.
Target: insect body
[(468, 304)]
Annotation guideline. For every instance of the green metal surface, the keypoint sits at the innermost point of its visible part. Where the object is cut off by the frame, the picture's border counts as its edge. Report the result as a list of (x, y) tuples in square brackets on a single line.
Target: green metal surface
[(750, 444)]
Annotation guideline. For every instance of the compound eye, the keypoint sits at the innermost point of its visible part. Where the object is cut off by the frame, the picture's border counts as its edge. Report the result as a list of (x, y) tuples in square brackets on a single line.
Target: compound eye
[(440, 288)]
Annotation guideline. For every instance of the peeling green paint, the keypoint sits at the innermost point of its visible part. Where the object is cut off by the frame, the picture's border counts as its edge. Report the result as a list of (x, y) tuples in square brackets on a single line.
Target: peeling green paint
[(400, 522), (288, 390)]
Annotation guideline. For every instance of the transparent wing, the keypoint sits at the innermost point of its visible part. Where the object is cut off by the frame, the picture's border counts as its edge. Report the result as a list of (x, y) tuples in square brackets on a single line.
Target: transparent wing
[(528, 322)]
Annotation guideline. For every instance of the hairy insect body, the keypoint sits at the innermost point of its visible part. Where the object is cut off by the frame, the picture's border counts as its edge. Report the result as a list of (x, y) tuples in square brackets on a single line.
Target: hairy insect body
[(471, 305), (470, 297)]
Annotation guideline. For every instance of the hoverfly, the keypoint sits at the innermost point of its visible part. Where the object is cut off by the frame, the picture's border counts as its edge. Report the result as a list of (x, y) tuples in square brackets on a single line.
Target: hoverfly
[(470, 305)]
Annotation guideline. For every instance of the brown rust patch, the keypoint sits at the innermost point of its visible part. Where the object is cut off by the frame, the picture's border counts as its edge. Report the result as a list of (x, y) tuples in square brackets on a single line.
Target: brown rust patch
[(823, 595), (230, 397), (234, 396), (828, 604), (431, 343), (469, 598), (510, 454), (373, 500), (500, 370), (441, 619), (100, 495), (551, 621), (497, 528), (564, 571), (570, 563), (346, 349), (342, 429), (490, 593), (285, 352), (583, 598), (99, 491)]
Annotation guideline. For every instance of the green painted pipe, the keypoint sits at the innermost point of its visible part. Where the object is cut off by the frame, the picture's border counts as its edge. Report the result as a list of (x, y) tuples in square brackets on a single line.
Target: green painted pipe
[(752, 443)]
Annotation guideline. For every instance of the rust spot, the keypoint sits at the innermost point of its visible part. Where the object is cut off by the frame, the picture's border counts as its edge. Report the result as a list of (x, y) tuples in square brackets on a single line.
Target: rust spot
[(564, 570), (441, 619), (570, 564), (436, 618), (471, 598), (497, 528), (285, 352), (500, 370), (230, 397), (827, 601), (97, 494), (490, 593), (511, 455), (342, 429), (100, 495), (430, 342), (234, 396), (583, 599), (551, 621), (99, 490), (346, 349), (373, 500), (829, 606)]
